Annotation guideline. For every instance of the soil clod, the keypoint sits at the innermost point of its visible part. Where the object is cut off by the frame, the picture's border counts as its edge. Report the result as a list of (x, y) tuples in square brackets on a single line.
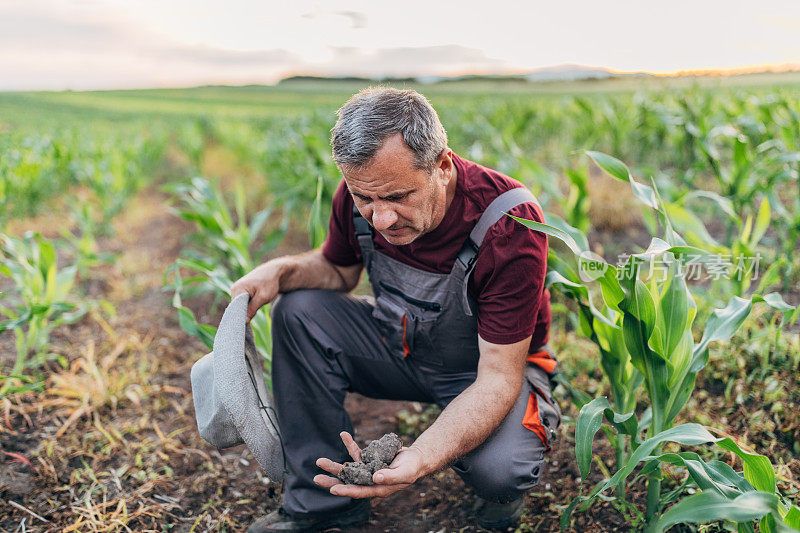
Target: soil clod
[(378, 454)]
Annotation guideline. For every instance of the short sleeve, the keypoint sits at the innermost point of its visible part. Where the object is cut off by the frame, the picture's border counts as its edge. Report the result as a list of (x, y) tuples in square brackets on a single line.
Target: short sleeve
[(508, 279), (339, 247)]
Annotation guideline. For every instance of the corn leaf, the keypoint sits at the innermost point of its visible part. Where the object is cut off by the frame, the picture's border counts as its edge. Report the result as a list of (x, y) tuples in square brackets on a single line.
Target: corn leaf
[(616, 168), (757, 468), (709, 506), (589, 421)]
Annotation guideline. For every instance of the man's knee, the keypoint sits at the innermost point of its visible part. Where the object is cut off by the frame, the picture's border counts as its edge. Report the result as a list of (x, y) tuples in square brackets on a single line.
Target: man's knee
[(501, 477), (292, 306)]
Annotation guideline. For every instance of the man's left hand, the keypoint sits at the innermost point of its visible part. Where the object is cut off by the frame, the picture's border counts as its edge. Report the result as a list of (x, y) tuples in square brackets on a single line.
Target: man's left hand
[(404, 470)]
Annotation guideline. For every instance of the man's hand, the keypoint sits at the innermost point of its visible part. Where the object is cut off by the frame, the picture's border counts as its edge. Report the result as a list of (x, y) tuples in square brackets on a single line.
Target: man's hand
[(309, 270), (261, 283), (404, 470)]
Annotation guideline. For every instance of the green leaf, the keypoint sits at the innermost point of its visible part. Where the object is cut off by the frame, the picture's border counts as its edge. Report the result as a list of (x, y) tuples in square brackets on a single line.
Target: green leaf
[(258, 221), (723, 323), (757, 468), (638, 325), (675, 312), (710, 506), (609, 284), (613, 166), (723, 203), (774, 300), (724, 482), (559, 223), (762, 223), (771, 276), (683, 434), (552, 231), (578, 397), (690, 225), (589, 421), (792, 518), (190, 325), (616, 168)]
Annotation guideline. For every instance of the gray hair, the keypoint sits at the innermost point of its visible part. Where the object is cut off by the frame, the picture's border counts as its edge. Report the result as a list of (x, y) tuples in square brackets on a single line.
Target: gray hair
[(373, 114)]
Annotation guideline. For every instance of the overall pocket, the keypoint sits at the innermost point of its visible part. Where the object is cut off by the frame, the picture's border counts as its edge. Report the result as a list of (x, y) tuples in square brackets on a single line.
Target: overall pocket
[(543, 414), (394, 323), (407, 320)]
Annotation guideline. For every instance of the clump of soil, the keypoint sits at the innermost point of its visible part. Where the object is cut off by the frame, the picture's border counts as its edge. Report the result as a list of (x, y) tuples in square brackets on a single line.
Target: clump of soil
[(378, 454)]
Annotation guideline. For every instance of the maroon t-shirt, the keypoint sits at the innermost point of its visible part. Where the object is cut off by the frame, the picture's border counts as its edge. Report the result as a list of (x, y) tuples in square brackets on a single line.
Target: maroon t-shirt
[(508, 279)]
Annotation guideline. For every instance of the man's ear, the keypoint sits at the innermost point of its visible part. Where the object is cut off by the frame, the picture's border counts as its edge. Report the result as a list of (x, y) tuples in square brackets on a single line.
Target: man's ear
[(445, 164)]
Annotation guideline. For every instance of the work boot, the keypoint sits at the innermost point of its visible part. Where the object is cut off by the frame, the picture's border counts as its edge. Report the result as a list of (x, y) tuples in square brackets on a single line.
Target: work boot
[(279, 520), (492, 515)]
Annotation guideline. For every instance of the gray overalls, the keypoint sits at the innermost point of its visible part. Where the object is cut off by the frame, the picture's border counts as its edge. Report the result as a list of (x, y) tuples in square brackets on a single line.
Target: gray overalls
[(418, 341)]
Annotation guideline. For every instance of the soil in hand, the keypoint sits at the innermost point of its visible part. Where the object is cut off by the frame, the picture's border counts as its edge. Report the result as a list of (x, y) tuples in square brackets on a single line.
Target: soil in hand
[(378, 454)]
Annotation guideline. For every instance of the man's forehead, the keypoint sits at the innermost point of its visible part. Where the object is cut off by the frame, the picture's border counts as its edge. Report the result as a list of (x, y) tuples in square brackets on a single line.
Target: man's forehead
[(380, 178), (381, 186)]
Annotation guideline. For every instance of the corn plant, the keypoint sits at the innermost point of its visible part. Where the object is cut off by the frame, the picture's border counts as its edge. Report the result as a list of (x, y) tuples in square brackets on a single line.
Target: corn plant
[(44, 299), (82, 239), (293, 153), (36, 167), (643, 326), (221, 254), (193, 137), (576, 203)]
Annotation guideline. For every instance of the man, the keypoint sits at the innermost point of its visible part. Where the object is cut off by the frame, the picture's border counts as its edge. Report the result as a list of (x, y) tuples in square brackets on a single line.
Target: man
[(460, 318)]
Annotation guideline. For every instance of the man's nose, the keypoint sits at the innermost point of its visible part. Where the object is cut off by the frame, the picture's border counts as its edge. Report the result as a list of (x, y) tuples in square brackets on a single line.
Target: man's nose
[(383, 217)]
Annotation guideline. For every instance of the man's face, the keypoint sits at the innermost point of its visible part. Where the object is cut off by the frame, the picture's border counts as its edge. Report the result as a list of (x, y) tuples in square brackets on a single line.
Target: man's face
[(400, 201)]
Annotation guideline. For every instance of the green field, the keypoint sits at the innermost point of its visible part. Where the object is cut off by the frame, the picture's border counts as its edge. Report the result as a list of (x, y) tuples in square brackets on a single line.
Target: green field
[(126, 215)]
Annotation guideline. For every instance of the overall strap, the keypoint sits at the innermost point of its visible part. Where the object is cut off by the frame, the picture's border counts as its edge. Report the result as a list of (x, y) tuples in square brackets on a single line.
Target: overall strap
[(465, 261), (363, 232)]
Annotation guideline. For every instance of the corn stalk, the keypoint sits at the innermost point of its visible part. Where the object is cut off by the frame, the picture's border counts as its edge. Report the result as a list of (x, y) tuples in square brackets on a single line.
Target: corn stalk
[(644, 321)]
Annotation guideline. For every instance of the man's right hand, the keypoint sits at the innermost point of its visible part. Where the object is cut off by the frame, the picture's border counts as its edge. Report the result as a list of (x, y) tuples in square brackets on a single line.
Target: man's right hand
[(262, 284), (309, 270)]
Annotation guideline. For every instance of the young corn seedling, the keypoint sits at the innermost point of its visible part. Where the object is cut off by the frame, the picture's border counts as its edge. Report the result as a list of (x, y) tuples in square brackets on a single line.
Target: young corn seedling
[(82, 239), (221, 254), (642, 322), (44, 303)]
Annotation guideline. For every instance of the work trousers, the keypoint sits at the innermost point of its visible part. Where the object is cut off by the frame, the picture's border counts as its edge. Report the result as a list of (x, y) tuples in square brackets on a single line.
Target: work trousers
[(327, 343)]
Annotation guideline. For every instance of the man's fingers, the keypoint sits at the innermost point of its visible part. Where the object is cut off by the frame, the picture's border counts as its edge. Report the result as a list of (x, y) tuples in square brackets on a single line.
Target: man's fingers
[(366, 491), (350, 444), (353, 491), (390, 476), (329, 466), (253, 306), (326, 481)]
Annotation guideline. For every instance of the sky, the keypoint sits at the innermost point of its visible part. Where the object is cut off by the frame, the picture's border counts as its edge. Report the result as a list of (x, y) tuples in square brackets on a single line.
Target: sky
[(105, 44)]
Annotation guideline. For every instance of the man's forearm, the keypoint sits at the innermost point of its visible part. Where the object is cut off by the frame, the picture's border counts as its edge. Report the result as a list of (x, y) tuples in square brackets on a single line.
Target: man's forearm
[(467, 421), (309, 270)]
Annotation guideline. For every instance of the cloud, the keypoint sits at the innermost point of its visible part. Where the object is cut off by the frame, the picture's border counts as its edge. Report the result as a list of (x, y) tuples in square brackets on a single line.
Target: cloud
[(25, 28), (57, 50), (221, 58), (358, 20), (51, 50)]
